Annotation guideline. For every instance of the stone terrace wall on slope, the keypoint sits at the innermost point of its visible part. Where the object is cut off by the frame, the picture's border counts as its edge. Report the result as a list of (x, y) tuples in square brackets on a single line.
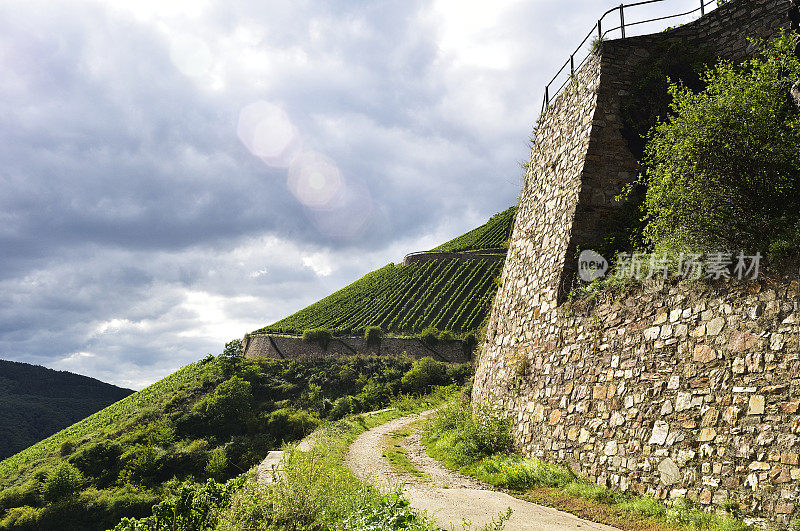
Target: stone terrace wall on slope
[(678, 390), (291, 347), (579, 163)]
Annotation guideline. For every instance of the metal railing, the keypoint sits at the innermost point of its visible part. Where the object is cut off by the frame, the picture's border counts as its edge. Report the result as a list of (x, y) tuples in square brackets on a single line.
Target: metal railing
[(601, 34)]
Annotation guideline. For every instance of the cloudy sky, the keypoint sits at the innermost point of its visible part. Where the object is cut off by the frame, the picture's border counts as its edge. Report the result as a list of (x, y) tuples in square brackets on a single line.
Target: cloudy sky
[(176, 173)]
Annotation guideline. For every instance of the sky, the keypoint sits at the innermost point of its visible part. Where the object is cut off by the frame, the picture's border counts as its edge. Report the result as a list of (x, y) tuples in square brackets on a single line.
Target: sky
[(176, 173)]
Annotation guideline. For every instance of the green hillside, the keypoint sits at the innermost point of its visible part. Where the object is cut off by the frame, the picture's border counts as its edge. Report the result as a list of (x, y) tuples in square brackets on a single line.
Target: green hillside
[(213, 419), (445, 294), (493, 234), (36, 402), (448, 295)]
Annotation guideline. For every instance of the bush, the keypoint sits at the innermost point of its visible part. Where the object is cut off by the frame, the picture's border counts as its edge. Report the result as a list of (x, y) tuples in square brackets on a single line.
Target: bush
[(99, 460), (429, 336), (373, 335), (67, 447), (724, 172), (465, 437), (231, 402), (342, 407), (286, 424), (62, 483), (374, 396), (320, 336), (444, 335), (424, 374), (217, 463), (231, 356)]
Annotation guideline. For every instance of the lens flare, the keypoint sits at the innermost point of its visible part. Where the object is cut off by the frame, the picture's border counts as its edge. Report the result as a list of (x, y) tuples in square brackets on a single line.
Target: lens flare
[(315, 180), (349, 217), (267, 131)]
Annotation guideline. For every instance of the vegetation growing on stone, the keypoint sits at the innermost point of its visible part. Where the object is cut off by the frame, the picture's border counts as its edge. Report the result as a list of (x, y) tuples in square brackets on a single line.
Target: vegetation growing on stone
[(478, 442), (723, 172)]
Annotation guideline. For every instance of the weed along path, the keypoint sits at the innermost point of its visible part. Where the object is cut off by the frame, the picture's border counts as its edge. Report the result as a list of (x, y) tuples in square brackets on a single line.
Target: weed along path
[(449, 498)]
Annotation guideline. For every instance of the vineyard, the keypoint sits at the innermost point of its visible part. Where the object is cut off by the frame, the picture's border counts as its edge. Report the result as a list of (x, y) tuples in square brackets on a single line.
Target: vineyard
[(448, 295), (494, 234)]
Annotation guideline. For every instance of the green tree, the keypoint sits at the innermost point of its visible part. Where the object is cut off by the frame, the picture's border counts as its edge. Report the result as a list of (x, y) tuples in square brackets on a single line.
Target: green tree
[(423, 375), (231, 357), (62, 483), (217, 463), (723, 173), (232, 400)]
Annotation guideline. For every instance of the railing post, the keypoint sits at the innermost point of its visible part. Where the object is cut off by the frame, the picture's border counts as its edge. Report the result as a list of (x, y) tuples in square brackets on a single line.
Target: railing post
[(600, 29), (572, 65), (547, 95), (622, 19), (702, 8)]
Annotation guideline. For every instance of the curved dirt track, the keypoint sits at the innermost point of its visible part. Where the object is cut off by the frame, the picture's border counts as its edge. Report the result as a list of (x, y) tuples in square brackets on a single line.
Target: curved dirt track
[(449, 498)]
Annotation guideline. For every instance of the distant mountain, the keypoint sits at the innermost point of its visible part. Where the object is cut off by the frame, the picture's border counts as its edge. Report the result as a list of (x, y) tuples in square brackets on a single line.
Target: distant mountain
[(36, 402)]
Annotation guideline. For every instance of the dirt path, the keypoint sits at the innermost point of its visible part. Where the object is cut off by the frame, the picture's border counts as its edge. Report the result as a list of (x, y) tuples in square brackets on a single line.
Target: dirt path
[(451, 499)]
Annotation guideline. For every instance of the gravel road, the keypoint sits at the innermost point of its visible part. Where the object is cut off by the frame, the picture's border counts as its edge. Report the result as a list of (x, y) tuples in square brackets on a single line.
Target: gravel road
[(451, 499)]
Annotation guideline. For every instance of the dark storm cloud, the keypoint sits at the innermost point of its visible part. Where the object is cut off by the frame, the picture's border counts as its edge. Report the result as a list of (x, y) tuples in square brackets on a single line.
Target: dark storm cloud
[(137, 232)]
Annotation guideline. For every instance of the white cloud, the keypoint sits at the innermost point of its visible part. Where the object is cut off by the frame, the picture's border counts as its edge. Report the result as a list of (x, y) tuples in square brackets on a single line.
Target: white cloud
[(144, 221), (319, 263)]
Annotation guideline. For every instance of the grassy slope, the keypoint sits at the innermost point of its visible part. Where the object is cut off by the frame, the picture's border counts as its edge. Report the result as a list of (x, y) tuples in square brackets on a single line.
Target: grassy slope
[(114, 417), (129, 453), (36, 402), (407, 299), (316, 490)]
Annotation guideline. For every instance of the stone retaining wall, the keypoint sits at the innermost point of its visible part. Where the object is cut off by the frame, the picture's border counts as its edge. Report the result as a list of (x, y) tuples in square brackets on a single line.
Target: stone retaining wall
[(291, 347), (539, 363), (491, 255), (676, 391)]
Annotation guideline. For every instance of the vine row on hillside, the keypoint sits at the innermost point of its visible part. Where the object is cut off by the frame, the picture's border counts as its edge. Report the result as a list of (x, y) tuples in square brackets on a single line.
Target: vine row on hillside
[(450, 295)]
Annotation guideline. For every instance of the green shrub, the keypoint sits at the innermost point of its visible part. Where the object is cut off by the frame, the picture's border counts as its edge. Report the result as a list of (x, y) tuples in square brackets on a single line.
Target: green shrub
[(98, 460), (429, 336), (464, 437), (27, 494), (67, 447), (470, 342), (424, 374), (518, 473), (217, 463), (723, 173), (342, 407), (141, 465), (320, 336), (231, 402), (374, 395), (62, 483), (24, 518), (373, 335), (287, 424), (445, 335), (231, 356)]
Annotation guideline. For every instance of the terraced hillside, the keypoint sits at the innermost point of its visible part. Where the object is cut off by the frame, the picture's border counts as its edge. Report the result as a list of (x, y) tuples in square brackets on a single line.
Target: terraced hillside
[(445, 294), (450, 295), (493, 234)]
